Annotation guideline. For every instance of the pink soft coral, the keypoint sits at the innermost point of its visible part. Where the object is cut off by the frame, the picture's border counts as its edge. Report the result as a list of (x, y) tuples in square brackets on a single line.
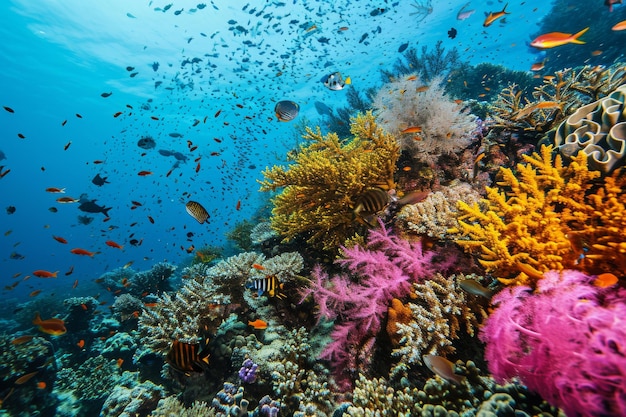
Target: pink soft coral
[(384, 270), (565, 342)]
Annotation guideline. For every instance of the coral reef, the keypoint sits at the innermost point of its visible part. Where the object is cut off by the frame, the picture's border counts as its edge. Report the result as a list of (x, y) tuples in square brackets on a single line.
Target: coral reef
[(240, 235), (599, 130), (262, 232), (431, 64), (127, 280), (321, 188), (443, 126), (133, 399), (171, 407), (532, 335), (548, 217), (229, 402), (437, 213)]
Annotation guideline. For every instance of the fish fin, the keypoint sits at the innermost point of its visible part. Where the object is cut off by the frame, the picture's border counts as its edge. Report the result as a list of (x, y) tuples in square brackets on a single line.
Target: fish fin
[(578, 35), (348, 80), (37, 319)]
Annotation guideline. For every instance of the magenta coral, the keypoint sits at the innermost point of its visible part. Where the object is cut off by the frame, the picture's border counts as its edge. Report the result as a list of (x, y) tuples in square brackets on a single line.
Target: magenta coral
[(566, 342), (359, 300)]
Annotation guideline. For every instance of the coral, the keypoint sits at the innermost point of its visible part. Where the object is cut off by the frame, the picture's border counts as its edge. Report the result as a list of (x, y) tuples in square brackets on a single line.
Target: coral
[(548, 217), (439, 310), (120, 345), (358, 302), (445, 126), (248, 371), (127, 280), (262, 232), (20, 359), (207, 254), (126, 306), (171, 407), (321, 188), (130, 401), (80, 312), (397, 313), (267, 407), (564, 341), (557, 98), (229, 402), (599, 130), (429, 65), (437, 213), (240, 235)]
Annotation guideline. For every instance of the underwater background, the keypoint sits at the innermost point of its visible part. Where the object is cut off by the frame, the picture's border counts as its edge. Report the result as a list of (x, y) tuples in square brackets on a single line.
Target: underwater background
[(312, 208)]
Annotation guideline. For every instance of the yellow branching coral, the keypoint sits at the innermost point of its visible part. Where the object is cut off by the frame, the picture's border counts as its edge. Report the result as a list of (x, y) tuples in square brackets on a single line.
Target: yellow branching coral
[(328, 175), (548, 216)]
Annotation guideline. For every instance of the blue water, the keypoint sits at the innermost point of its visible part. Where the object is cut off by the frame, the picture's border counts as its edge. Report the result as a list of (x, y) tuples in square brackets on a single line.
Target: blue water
[(57, 57)]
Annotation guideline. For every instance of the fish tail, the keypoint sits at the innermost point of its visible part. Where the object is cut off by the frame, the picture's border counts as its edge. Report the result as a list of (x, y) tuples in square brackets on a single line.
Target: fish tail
[(37, 320), (54, 274), (504, 10), (105, 211), (348, 80), (578, 35)]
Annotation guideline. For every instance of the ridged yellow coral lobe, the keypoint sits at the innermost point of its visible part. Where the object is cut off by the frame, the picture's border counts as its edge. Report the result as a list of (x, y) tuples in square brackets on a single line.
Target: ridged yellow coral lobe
[(548, 216), (320, 188)]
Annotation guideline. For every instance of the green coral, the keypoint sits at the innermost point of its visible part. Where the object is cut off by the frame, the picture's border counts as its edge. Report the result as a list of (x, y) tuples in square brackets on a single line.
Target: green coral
[(320, 189)]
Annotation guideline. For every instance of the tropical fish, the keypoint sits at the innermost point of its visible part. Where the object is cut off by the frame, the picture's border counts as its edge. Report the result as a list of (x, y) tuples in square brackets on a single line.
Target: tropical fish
[(52, 326), (452, 33), (67, 200), (41, 273), (92, 207), (286, 110), (412, 129), (619, 26), (335, 82), (55, 190), (269, 284), (442, 367), (371, 202), (464, 14), (25, 378), (59, 239), (144, 173), (105, 95), (196, 211), (554, 39), (258, 324), (84, 252), (22, 339), (493, 16), (610, 3), (114, 244), (185, 358), (605, 280), (472, 286), (100, 181), (9, 109)]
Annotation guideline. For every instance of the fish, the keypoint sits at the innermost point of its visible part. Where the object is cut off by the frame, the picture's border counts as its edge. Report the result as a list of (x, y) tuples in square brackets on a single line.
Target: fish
[(144, 173), (554, 39), (412, 129), (286, 110), (105, 95), (371, 202), (403, 47), (84, 252), (22, 339), (92, 207), (605, 280), (620, 26), (493, 16), (258, 267), (464, 14), (442, 367), (81, 343), (99, 181), (538, 66), (52, 326), (59, 239), (9, 109), (472, 286), (53, 209), (185, 358), (610, 3), (258, 324), (55, 190), (34, 293), (67, 145), (269, 285), (526, 111), (114, 244), (25, 378), (196, 211), (41, 385), (452, 33), (67, 200), (335, 82), (42, 273)]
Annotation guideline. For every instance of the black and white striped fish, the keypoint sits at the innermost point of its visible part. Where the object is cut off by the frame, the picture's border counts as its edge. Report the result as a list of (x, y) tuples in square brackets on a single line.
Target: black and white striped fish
[(269, 285), (286, 110)]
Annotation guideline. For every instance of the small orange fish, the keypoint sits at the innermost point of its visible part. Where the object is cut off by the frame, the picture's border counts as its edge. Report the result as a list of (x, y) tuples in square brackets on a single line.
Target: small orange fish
[(538, 66), (258, 267), (25, 378), (144, 173), (412, 77), (75, 284), (81, 343), (554, 39), (421, 89), (41, 385), (42, 273), (79, 251), (114, 244), (412, 129), (34, 293), (150, 305), (55, 190), (258, 324), (620, 26), (605, 280), (22, 339), (493, 16), (67, 200), (53, 326), (59, 239), (311, 28), (238, 206)]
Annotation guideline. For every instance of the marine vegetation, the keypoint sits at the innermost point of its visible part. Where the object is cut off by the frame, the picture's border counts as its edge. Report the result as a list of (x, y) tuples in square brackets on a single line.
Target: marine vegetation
[(557, 98), (321, 188), (429, 65), (531, 336), (548, 216)]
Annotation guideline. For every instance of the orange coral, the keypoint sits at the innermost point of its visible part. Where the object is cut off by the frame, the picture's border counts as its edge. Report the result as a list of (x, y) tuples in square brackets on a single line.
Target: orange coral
[(397, 313)]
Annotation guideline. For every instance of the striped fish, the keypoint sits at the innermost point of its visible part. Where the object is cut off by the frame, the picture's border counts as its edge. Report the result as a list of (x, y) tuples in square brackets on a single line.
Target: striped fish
[(184, 357), (269, 285), (369, 204), (196, 211), (286, 110)]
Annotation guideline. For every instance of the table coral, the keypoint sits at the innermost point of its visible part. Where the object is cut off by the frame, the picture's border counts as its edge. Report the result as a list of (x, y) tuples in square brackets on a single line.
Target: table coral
[(321, 188), (548, 216)]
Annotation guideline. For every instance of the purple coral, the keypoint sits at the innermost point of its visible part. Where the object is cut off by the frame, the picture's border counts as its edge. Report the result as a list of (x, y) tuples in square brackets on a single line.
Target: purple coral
[(248, 371), (565, 342), (384, 270)]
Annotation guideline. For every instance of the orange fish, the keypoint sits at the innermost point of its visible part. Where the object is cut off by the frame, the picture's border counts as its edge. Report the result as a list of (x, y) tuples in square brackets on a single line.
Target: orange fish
[(59, 239), (144, 173), (79, 251), (554, 39), (114, 244), (67, 200), (412, 129), (493, 16), (119, 363), (22, 339), (605, 280), (34, 293), (238, 206), (421, 89), (25, 378), (41, 273), (538, 66), (258, 324), (75, 284), (54, 327), (620, 26), (55, 190), (258, 267), (81, 343), (41, 385)]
